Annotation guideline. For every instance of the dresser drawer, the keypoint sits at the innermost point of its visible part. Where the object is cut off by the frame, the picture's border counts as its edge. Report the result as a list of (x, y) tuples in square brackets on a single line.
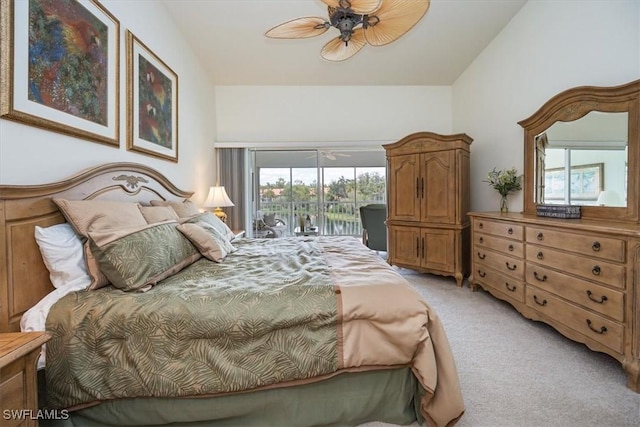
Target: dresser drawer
[(606, 301), (512, 267), (509, 247), (487, 277), (589, 268), (585, 244), (502, 229), (587, 323)]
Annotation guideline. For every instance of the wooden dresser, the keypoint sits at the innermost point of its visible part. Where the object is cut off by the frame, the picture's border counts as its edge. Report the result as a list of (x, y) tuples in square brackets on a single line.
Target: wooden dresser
[(18, 385), (580, 276), (428, 200)]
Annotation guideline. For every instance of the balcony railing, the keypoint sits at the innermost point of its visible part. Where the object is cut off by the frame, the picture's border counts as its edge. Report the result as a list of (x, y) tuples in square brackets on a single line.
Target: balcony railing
[(331, 218)]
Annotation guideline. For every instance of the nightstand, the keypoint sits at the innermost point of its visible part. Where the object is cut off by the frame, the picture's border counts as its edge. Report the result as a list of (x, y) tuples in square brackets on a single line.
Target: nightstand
[(18, 383)]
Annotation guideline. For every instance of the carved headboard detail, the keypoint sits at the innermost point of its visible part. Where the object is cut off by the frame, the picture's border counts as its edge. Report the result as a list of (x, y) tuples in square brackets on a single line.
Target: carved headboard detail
[(24, 279)]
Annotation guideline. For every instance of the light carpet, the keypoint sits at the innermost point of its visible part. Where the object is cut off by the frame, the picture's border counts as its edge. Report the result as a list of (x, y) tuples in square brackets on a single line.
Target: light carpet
[(515, 372)]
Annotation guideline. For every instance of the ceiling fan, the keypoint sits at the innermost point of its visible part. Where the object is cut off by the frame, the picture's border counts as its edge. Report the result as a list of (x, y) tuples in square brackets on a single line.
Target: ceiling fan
[(360, 22), (330, 155)]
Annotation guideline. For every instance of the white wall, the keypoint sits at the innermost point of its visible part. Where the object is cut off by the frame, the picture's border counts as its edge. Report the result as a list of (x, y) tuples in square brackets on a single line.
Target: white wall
[(549, 46), (29, 155), (326, 114)]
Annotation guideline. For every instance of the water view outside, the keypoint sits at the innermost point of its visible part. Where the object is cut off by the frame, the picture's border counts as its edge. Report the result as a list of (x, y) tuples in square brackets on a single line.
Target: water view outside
[(330, 196)]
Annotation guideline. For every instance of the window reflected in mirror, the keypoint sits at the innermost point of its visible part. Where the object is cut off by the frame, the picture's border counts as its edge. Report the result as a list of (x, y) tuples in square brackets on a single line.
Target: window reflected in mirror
[(583, 162)]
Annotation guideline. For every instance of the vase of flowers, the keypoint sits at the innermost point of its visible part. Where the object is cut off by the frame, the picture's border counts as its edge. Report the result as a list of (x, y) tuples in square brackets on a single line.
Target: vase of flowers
[(505, 182)]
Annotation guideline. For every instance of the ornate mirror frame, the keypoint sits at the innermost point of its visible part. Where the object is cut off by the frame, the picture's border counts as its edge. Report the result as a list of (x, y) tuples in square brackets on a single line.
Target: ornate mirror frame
[(571, 105)]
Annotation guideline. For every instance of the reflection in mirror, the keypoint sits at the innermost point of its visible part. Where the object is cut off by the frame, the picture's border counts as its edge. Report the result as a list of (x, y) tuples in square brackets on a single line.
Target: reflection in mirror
[(596, 131), (584, 162)]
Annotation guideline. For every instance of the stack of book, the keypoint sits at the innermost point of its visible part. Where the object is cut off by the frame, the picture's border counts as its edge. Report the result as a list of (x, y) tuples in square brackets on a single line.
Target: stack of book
[(558, 211)]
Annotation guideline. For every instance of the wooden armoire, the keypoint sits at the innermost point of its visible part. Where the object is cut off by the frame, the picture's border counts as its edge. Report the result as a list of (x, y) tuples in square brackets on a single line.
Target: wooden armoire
[(428, 200)]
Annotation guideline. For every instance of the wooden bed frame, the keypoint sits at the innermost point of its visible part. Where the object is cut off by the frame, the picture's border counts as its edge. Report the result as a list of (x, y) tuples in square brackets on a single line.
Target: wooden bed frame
[(24, 279)]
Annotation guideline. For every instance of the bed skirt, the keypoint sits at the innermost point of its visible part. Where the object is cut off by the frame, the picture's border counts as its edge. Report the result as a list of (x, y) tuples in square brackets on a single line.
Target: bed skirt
[(347, 399)]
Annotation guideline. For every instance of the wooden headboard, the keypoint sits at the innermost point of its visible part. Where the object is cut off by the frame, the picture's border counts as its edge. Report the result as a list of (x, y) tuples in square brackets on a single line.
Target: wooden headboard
[(24, 279)]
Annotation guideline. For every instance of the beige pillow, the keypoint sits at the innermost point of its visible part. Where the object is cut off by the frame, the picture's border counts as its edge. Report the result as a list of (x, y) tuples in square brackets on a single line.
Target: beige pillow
[(216, 223), (155, 214), (209, 245), (95, 215), (183, 209)]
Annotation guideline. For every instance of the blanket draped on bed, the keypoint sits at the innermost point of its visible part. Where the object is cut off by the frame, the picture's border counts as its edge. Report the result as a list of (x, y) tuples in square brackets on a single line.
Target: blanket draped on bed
[(274, 313)]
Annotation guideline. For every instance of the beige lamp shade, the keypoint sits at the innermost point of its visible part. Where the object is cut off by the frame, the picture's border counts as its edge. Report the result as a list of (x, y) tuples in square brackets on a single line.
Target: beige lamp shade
[(217, 198), (610, 198)]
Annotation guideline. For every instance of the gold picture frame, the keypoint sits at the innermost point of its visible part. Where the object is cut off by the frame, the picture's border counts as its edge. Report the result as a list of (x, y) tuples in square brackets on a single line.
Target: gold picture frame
[(587, 181), (61, 67), (152, 103)]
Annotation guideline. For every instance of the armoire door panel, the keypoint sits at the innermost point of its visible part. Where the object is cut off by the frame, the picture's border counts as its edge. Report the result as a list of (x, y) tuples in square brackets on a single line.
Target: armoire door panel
[(404, 173), (438, 194), (404, 245), (438, 251)]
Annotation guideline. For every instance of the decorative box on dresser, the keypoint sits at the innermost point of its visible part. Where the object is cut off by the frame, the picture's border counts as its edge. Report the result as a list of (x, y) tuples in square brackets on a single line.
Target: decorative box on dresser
[(18, 383), (581, 276), (428, 201)]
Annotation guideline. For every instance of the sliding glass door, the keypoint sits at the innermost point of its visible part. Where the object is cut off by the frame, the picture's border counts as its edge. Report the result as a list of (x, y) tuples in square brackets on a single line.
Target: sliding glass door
[(326, 187)]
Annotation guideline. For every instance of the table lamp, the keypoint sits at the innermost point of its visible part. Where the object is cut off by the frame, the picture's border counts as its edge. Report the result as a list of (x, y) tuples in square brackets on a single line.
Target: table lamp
[(217, 198), (610, 198)]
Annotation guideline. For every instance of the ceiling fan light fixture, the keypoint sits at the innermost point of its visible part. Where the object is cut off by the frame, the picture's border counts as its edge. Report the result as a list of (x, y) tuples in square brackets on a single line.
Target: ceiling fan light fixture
[(360, 22)]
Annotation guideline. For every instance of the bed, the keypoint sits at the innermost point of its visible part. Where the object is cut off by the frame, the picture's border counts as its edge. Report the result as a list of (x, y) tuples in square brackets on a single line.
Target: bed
[(296, 331)]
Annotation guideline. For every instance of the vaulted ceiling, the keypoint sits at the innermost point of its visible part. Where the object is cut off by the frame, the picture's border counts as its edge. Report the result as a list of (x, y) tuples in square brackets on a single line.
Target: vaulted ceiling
[(229, 38)]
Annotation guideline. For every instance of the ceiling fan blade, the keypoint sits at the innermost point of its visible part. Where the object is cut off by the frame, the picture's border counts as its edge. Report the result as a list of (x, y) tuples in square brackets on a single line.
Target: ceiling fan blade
[(336, 50), (393, 20), (299, 28), (361, 7)]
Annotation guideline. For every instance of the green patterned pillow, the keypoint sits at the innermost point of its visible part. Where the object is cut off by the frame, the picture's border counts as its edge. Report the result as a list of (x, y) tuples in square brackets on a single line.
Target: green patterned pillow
[(215, 222), (136, 258)]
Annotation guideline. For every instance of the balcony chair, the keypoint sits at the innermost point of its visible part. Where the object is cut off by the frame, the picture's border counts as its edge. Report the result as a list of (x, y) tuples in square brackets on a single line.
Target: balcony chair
[(374, 229), (267, 225)]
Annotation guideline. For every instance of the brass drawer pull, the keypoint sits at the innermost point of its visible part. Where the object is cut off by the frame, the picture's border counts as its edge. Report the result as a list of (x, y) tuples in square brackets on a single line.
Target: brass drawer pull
[(602, 299), (511, 288), (481, 273), (543, 279), (540, 236), (480, 225), (512, 268), (481, 239), (510, 230), (596, 270), (543, 303), (510, 248), (602, 330), (596, 246), (482, 256), (540, 255)]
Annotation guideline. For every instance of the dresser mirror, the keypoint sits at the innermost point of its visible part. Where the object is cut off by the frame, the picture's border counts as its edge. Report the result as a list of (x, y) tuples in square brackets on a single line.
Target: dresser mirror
[(582, 147)]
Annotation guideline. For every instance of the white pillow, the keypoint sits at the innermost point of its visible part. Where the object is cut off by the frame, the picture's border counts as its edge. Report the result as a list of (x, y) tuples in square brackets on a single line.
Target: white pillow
[(62, 253)]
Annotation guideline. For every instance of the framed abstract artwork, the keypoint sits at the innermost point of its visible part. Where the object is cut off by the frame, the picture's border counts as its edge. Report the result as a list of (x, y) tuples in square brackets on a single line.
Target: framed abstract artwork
[(152, 103), (60, 67)]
